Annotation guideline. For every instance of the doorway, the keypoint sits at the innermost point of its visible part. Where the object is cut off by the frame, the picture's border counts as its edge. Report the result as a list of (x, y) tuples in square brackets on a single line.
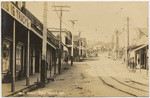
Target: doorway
[(37, 55), (19, 62)]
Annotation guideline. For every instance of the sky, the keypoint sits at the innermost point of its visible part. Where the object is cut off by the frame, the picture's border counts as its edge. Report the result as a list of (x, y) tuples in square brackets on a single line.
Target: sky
[(97, 20)]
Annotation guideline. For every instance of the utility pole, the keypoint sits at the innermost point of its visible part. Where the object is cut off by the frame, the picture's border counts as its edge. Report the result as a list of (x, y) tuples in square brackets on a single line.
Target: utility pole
[(80, 41), (117, 44), (147, 51), (60, 49), (73, 23), (127, 50), (44, 47), (147, 22), (112, 41), (13, 53)]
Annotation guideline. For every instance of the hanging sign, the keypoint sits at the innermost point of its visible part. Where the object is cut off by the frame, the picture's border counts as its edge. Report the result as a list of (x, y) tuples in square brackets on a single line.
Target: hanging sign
[(12, 10)]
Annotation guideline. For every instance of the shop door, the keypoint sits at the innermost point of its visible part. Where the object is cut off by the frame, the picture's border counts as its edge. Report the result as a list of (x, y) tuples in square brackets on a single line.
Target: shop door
[(19, 63), (31, 62), (37, 61)]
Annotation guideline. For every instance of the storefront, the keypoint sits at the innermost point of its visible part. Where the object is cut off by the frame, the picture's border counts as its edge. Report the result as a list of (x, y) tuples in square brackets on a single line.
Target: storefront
[(22, 46), (141, 53), (15, 29), (35, 53), (140, 56), (51, 61), (36, 46)]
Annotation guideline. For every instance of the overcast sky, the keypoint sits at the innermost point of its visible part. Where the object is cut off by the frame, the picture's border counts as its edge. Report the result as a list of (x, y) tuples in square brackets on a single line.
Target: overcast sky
[(96, 20)]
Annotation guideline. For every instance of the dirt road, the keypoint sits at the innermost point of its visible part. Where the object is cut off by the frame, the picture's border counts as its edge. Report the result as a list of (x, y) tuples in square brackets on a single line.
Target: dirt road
[(98, 77)]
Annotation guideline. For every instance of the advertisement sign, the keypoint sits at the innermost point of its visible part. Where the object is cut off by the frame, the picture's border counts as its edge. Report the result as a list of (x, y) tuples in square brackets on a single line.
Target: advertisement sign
[(16, 13)]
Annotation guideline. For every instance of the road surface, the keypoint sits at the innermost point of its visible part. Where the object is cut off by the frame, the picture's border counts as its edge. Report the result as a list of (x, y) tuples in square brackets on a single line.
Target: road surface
[(95, 77)]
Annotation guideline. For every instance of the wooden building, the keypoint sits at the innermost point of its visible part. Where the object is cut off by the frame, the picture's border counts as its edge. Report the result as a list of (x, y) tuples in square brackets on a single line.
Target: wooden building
[(22, 36)]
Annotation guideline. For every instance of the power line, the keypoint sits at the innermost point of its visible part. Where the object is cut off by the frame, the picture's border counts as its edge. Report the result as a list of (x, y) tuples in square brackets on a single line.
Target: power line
[(66, 24), (60, 39), (59, 16), (117, 13)]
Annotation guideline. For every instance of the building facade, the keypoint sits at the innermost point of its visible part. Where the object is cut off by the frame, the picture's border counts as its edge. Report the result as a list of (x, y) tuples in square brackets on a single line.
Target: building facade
[(22, 36)]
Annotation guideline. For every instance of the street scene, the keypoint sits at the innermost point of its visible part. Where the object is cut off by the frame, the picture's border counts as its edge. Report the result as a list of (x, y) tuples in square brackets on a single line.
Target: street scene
[(75, 49), (89, 79)]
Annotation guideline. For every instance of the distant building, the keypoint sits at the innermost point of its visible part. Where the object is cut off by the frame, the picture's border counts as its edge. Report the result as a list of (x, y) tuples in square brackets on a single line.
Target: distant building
[(66, 42), (80, 48), (76, 48), (83, 47)]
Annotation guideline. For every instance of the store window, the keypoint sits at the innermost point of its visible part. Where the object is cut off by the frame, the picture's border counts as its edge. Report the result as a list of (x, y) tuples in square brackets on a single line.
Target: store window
[(6, 62), (6, 57)]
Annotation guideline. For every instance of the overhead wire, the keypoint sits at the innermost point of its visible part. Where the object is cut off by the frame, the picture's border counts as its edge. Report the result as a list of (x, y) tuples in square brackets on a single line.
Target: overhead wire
[(59, 16)]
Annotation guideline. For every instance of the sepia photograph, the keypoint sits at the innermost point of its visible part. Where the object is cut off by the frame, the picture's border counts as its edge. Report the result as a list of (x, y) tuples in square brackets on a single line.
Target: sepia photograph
[(75, 48)]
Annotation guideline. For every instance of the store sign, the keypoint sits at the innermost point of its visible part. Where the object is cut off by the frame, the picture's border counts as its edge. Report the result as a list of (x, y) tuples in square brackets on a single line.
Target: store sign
[(16, 13)]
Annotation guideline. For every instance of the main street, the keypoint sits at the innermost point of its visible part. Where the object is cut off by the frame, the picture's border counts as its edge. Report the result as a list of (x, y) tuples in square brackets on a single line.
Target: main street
[(96, 77)]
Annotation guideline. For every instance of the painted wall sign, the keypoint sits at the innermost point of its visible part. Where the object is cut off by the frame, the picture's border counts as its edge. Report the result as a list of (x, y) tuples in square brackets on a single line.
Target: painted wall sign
[(16, 13)]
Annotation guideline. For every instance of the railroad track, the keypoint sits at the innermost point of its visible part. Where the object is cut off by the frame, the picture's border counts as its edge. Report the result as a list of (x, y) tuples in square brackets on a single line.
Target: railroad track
[(121, 86), (105, 83)]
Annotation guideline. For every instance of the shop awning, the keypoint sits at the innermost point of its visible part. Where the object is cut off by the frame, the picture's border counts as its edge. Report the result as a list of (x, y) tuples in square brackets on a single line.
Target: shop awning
[(132, 53), (140, 48)]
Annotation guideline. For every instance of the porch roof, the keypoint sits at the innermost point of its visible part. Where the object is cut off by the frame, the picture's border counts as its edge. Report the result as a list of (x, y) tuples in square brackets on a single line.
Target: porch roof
[(140, 47)]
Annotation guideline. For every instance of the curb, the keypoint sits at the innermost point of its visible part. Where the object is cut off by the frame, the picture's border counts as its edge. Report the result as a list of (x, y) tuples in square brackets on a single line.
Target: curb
[(23, 91)]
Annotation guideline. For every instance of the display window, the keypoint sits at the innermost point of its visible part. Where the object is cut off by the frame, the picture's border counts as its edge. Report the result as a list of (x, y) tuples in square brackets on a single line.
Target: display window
[(6, 62), (6, 57)]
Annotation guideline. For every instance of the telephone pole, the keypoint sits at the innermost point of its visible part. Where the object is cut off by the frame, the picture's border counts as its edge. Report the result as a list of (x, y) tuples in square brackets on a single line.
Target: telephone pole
[(44, 47), (112, 42), (147, 51), (73, 23), (127, 48), (117, 44), (60, 49), (80, 47)]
